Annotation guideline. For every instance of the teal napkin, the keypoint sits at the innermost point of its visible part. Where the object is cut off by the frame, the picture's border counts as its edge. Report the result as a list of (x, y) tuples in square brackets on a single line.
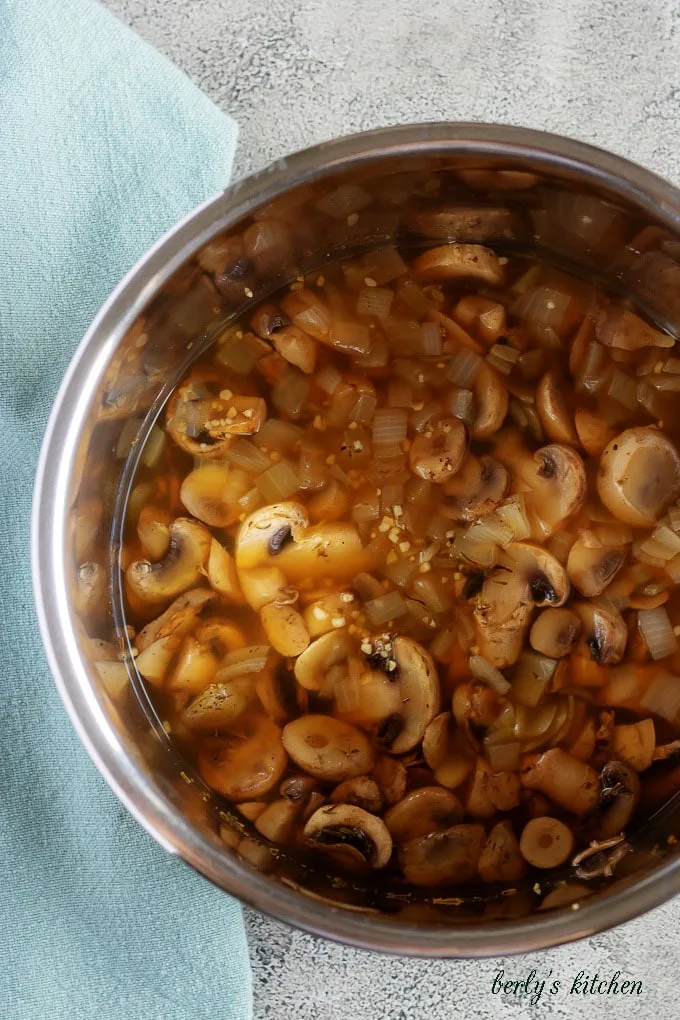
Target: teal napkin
[(103, 146)]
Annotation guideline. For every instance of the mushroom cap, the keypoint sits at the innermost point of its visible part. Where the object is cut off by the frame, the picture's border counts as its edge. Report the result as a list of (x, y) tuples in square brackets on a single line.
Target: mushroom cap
[(204, 493), (491, 401), (327, 748), (437, 457), (546, 577), (339, 827), (180, 568), (502, 615), (446, 857), (500, 859), (177, 619), (476, 489), (362, 791), (619, 796), (458, 261), (604, 632), (418, 682), (555, 632), (591, 566), (553, 413), (623, 329), (639, 475), (427, 809), (559, 484), (265, 533), (326, 651), (248, 763)]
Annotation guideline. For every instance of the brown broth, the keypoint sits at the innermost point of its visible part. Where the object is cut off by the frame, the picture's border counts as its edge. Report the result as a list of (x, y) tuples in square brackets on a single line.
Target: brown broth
[(415, 403)]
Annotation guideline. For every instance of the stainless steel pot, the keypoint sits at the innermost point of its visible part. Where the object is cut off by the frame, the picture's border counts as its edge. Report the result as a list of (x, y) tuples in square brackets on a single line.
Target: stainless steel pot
[(586, 209)]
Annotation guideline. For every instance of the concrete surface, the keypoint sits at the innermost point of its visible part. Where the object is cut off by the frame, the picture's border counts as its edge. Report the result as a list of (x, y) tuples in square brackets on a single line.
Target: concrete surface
[(294, 72)]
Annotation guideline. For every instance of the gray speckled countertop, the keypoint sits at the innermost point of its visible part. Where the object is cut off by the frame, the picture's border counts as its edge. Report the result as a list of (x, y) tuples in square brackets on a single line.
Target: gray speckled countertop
[(295, 72)]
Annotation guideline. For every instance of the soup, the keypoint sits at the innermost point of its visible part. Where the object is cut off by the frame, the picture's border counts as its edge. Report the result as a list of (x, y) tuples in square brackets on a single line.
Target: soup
[(401, 566)]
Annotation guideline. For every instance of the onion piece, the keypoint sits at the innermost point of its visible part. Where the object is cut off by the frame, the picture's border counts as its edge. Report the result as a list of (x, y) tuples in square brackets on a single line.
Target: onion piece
[(278, 482), (662, 697), (375, 301), (384, 265), (290, 393), (241, 662), (503, 757), (592, 374), (462, 405), (623, 389), (153, 448), (344, 200), (386, 607), (245, 455), (278, 435), (431, 339), (442, 644), (328, 379), (502, 358), (488, 674), (657, 630), (463, 367), (399, 394), (513, 515), (240, 351), (531, 678), (672, 568), (401, 572), (430, 591), (389, 425), (490, 528)]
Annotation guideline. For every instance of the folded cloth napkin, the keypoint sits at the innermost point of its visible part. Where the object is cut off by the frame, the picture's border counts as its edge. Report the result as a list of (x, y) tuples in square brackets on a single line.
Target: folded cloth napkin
[(103, 146)]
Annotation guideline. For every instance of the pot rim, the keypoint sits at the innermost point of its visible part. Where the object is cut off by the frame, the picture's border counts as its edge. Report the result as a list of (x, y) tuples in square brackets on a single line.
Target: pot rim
[(630, 183)]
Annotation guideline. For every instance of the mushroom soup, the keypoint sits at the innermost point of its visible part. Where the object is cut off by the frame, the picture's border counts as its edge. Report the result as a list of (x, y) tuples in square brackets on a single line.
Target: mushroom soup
[(401, 566)]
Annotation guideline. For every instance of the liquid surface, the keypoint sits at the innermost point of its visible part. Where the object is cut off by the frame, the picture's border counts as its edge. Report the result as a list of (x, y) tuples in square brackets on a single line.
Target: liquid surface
[(401, 566)]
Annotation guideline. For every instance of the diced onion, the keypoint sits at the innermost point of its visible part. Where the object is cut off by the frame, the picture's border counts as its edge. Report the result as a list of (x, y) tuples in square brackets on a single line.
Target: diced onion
[(243, 454), (278, 482), (437, 526), (347, 335), (462, 404), (367, 587), (512, 513), (364, 409), (278, 435), (650, 399), (502, 358), (485, 554), (623, 389), (613, 534), (442, 645), (384, 265), (657, 630), (504, 757), (401, 572), (664, 383), (463, 367), (290, 393), (154, 446), (431, 339), (344, 200), (545, 310), (593, 372), (328, 378), (366, 511), (418, 490), (391, 495), (399, 394), (672, 366), (672, 568), (240, 351), (662, 697), (415, 297), (490, 528), (375, 301), (427, 554), (674, 517), (389, 425), (386, 607), (488, 674), (430, 591), (531, 678), (126, 438)]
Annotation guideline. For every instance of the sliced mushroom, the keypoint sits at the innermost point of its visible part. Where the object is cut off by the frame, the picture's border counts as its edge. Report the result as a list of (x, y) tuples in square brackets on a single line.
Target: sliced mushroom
[(491, 402), (362, 791), (418, 685), (571, 784), (195, 669), (604, 633), (594, 433), (600, 859), (462, 223), (427, 809), (246, 764), (554, 415), (352, 834), (546, 842), (178, 618), (555, 632), (277, 822), (211, 493), (218, 706), (501, 859), (266, 533), (543, 572), (315, 662), (204, 423), (285, 629), (619, 797), (153, 531), (558, 485), (639, 476), (591, 566), (263, 585), (443, 753), (327, 748), (634, 744), (477, 488), (458, 261), (180, 569), (502, 615), (622, 329), (437, 455), (390, 774), (443, 858)]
